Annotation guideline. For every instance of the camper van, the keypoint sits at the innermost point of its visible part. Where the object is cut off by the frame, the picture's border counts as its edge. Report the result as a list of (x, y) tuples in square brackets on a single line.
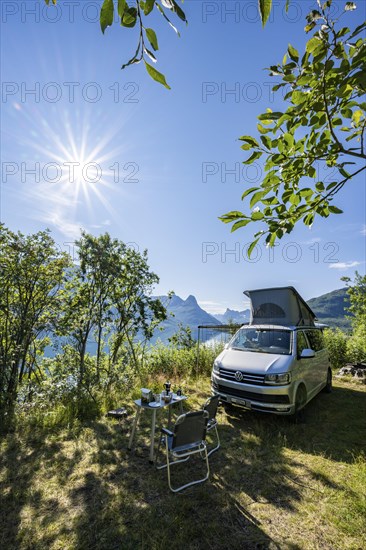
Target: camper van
[(277, 363)]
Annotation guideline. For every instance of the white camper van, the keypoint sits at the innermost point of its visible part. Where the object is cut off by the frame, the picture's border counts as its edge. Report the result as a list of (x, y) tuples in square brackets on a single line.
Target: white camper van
[(278, 362)]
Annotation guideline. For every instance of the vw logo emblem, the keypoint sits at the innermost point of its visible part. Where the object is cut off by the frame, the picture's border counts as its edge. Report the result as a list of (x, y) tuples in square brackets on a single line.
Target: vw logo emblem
[(239, 376)]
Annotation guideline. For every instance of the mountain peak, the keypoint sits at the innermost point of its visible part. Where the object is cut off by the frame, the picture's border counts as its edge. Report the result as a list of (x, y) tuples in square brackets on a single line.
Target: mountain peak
[(191, 300)]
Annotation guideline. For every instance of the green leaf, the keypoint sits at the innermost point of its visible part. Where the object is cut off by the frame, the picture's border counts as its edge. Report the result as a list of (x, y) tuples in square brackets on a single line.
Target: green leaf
[(253, 157), (178, 10), (344, 172), (314, 15), (249, 139), (295, 200), (239, 224), (106, 14), (257, 216), (335, 210), (311, 172), (309, 27), (306, 193), (149, 6), (252, 246), (319, 186), (299, 97), (309, 219), (262, 130), (256, 197), (155, 75), (270, 116), (265, 7), (267, 142), (167, 18), (121, 8), (350, 6), (313, 44), (271, 238), (248, 191), (231, 216), (151, 35), (150, 54), (357, 115), (293, 53), (129, 18)]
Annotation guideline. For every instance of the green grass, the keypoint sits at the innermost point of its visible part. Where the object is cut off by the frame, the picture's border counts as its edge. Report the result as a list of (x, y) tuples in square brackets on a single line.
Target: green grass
[(273, 484)]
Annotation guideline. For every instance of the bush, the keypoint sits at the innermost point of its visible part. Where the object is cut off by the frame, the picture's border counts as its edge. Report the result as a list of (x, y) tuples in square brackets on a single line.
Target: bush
[(356, 345), (177, 363), (336, 343)]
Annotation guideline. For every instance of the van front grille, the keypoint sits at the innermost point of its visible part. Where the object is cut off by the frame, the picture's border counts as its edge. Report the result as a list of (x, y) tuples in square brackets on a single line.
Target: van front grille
[(247, 377), (262, 398)]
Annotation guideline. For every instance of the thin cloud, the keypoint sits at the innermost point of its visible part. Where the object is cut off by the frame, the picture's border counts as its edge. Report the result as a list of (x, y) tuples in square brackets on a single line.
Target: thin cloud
[(344, 265), (63, 225)]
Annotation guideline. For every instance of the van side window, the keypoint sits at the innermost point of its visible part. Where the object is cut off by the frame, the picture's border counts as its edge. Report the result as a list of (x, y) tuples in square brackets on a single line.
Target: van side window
[(316, 340), (301, 342)]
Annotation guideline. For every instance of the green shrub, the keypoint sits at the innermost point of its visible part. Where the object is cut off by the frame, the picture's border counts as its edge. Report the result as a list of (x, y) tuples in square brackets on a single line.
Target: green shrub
[(336, 343), (178, 363), (356, 345)]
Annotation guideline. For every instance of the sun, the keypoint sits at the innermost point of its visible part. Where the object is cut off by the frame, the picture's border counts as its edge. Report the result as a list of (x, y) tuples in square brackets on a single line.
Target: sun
[(77, 162)]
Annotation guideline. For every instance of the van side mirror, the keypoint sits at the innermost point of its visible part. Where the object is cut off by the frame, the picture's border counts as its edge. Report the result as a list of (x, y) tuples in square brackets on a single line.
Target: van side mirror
[(226, 346), (307, 354)]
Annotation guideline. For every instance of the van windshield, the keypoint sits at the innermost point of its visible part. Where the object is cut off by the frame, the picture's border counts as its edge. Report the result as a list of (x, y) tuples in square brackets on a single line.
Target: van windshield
[(262, 341)]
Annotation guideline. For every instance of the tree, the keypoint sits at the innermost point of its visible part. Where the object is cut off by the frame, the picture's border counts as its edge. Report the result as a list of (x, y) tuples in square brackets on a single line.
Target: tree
[(182, 339), (356, 345), (322, 127), (357, 295), (31, 275), (108, 296)]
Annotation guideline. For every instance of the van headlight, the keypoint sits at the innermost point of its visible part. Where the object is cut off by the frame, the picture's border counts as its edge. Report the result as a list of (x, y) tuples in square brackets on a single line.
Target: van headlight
[(216, 366), (281, 379)]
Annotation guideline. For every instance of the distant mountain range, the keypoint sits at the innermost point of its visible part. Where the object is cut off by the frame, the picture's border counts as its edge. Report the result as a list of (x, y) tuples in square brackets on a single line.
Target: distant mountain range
[(233, 316), (186, 312), (330, 309)]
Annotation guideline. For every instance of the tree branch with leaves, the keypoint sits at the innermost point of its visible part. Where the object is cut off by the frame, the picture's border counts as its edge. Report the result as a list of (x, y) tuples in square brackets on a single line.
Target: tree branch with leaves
[(322, 127)]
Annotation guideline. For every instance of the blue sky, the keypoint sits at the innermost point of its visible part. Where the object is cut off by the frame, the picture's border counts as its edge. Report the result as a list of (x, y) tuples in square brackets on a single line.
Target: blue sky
[(159, 166)]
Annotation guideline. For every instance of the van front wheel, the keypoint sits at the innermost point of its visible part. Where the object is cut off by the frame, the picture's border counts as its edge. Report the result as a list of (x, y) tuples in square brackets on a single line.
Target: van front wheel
[(300, 401), (328, 387)]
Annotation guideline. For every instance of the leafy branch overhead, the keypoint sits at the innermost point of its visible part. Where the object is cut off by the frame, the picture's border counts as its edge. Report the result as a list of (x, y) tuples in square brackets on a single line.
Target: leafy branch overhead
[(133, 13), (317, 145)]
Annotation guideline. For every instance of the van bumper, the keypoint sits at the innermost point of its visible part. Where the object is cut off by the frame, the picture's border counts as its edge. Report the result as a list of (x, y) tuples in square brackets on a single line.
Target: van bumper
[(269, 399)]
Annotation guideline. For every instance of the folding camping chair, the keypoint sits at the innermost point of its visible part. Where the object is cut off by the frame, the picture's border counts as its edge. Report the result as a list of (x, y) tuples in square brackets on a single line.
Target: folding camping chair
[(211, 407), (186, 439)]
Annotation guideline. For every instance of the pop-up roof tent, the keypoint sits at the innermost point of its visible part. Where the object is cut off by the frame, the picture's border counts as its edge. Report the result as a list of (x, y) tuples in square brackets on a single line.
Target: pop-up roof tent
[(279, 306)]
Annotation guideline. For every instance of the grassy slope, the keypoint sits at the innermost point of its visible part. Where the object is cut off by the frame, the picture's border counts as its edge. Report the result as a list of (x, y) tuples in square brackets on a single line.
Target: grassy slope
[(273, 484)]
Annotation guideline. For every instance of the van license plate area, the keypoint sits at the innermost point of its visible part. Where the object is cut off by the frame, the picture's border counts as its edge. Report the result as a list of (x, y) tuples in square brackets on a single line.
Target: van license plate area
[(241, 402)]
